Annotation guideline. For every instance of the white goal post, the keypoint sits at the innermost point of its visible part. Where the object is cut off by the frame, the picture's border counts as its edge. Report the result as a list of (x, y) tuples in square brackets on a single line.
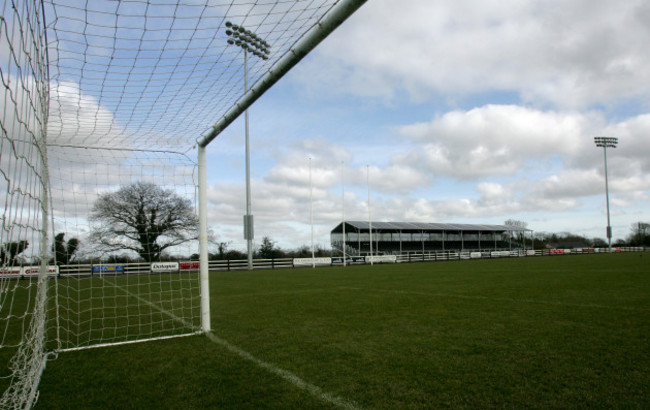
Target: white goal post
[(102, 106)]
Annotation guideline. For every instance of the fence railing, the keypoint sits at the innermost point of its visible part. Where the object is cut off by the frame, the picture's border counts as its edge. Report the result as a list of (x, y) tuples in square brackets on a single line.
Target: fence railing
[(77, 270)]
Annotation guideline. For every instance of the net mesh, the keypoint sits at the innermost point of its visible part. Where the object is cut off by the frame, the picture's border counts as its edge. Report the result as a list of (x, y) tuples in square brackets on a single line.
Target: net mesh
[(98, 306), (159, 73), (23, 99), (100, 98)]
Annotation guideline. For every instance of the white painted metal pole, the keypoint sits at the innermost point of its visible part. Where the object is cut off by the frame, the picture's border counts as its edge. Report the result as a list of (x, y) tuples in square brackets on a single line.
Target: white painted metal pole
[(369, 215), (606, 142), (203, 243), (343, 207), (311, 217), (609, 224), (248, 219)]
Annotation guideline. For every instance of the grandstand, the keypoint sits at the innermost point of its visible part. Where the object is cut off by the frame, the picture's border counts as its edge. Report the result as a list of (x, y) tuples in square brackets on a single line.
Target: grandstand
[(391, 238)]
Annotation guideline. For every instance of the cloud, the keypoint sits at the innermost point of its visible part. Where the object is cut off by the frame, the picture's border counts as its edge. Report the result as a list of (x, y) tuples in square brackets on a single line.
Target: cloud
[(570, 54), (495, 140), (632, 153), (77, 118)]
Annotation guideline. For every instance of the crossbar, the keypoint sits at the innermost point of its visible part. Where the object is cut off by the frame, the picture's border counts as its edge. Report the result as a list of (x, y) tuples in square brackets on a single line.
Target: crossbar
[(324, 28)]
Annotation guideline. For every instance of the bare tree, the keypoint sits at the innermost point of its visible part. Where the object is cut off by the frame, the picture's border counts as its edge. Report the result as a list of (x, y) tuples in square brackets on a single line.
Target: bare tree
[(222, 249), (144, 218), (640, 235), (518, 229)]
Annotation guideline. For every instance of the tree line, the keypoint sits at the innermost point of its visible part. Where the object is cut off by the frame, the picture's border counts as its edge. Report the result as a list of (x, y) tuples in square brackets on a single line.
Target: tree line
[(639, 236)]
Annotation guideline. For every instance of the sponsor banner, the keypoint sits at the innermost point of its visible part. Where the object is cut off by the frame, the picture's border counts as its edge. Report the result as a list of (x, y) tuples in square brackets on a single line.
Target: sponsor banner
[(52, 270), (499, 254), (312, 261), (29, 271), (164, 266), (530, 252), (557, 251), (475, 255), (194, 265), (11, 271), (349, 260), (381, 259), (107, 269)]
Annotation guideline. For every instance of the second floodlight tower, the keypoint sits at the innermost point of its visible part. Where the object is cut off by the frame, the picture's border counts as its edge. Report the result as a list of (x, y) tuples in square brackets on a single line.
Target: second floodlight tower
[(249, 42), (607, 142)]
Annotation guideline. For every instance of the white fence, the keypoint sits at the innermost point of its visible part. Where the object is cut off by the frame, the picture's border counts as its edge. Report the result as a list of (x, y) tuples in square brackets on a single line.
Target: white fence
[(283, 263)]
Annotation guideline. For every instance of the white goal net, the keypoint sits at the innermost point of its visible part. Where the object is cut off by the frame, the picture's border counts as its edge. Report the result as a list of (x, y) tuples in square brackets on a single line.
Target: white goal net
[(106, 109)]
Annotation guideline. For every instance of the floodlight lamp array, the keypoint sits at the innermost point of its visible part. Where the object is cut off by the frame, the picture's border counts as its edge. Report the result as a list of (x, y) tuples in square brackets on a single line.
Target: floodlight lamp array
[(607, 142), (247, 40)]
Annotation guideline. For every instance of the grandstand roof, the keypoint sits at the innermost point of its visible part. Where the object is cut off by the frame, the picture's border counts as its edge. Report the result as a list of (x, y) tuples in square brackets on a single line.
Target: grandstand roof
[(427, 226)]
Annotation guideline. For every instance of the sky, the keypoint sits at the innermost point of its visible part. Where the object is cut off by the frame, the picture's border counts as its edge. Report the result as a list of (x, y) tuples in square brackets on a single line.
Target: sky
[(412, 111), (454, 112)]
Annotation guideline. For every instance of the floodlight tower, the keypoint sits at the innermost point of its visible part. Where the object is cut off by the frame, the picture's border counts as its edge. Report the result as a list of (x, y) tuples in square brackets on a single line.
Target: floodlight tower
[(250, 43), (607, 142)]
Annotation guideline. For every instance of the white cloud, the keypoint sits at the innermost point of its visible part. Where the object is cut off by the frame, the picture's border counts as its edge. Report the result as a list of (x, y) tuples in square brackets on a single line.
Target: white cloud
[(568, 53), (568, 184), (496, 139), (77, 118)]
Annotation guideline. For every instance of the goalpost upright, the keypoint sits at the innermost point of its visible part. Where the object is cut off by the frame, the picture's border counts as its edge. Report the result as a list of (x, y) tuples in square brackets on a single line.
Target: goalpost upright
[(204, 270), (343, 10)]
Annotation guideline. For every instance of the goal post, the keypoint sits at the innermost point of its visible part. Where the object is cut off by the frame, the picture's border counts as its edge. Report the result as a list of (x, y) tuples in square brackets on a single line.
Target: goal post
[(204, 273)]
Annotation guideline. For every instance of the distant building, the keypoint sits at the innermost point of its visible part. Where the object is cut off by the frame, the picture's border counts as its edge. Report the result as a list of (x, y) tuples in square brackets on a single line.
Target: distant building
[(419, 237)]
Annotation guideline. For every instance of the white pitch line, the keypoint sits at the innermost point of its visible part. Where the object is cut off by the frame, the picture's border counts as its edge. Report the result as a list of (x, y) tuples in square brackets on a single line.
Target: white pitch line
[(286, 375), (480, 297), (312, 389)]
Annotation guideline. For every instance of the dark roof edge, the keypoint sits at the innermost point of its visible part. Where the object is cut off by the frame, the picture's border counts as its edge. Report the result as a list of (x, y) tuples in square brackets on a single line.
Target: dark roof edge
[(414, 226)]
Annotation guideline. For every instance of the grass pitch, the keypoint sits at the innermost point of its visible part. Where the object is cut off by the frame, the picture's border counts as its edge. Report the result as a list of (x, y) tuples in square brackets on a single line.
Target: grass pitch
[(542, 332)]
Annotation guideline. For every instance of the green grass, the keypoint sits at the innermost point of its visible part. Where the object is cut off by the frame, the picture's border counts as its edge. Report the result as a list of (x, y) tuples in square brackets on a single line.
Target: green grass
[(552, 332)]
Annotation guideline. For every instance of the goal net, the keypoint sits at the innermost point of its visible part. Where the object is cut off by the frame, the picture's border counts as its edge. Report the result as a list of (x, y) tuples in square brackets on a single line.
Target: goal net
[(23, 175), (104, 106)]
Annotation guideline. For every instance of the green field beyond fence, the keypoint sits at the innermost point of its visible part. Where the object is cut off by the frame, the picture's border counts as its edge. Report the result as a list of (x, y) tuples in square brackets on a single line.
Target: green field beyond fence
[(523, 332)]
